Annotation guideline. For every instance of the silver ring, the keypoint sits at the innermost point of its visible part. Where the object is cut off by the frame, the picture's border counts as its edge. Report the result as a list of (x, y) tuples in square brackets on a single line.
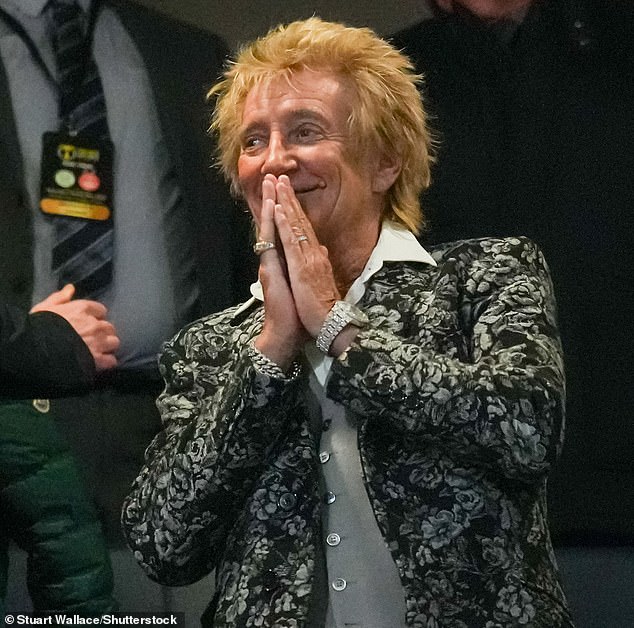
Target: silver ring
[(302, 238), (263, 245)]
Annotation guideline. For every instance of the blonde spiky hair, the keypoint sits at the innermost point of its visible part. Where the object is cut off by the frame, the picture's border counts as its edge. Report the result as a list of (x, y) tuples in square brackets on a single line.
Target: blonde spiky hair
[(387, 115)]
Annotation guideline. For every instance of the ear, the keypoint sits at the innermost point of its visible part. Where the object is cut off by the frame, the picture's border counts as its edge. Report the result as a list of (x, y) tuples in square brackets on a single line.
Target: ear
[(386, 170)]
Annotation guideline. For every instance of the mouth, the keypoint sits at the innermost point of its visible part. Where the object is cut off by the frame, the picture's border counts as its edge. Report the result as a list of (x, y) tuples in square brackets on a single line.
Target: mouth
[(308, 188)]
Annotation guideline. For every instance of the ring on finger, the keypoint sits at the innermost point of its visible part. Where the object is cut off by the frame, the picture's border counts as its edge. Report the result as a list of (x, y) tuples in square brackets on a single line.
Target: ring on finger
[(302, 238), (263, 245)]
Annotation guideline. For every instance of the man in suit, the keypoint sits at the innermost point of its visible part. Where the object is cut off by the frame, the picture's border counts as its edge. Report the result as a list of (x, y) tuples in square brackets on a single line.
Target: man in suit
[(155, 74)]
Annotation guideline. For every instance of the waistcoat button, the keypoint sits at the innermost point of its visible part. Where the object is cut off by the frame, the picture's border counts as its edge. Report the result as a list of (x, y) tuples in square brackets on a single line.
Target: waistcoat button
[(329, 497), (339, 584), (333, 539)]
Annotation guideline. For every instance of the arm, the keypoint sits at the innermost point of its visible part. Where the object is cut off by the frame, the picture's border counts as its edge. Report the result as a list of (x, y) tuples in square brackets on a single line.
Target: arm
[(88, 319), (220, 419), (41, 355), (501, 405)]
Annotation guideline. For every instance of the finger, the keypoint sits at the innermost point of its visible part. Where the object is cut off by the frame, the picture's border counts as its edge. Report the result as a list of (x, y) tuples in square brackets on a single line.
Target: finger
[(111, 344), (294, 233), (60, 297), (268, 196), (286, 196), (66, 293), (291, 246), (92, 308), (104, 361), (267, 226), (299, 222), (106, 328), (105, 344)]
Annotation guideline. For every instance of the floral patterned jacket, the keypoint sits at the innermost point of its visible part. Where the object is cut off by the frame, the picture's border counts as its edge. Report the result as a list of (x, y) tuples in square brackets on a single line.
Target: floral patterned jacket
[(458, 387)]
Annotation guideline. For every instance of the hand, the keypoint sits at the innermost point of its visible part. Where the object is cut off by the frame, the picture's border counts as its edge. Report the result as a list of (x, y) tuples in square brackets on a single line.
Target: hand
[(283, 333), (310, 272), (88, 319)]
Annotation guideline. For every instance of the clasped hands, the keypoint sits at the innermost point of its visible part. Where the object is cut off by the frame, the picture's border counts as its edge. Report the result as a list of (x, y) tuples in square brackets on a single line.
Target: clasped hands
[(297, 276)]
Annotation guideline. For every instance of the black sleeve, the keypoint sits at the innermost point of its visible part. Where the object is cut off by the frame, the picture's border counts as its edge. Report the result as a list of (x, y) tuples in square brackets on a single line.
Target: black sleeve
[(41, 355)]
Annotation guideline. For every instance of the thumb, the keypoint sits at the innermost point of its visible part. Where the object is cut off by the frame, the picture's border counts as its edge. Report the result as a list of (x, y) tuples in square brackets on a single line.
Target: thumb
[(64, 295)]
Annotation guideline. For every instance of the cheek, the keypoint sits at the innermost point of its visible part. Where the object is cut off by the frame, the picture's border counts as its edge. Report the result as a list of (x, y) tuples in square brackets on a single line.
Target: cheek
[(250, 185), (245, 170), (249, 178)]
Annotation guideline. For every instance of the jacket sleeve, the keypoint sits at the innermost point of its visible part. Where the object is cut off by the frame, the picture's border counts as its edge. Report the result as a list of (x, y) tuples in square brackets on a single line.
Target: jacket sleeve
[(41, 355), (500, 406), (220, 418)]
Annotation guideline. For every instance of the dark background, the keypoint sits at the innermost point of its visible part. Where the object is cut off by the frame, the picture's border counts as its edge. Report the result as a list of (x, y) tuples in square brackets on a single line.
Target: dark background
[(240, 20)]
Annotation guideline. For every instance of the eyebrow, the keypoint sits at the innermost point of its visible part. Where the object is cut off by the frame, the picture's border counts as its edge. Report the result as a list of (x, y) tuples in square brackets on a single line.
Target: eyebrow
[(292, 115)]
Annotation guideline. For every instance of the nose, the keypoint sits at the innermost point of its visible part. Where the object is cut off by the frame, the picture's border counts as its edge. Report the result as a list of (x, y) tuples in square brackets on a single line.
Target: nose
[(279, 157)]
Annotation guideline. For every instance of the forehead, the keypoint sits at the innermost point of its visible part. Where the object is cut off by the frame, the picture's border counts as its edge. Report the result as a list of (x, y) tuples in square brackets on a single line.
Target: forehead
[(320, 93)]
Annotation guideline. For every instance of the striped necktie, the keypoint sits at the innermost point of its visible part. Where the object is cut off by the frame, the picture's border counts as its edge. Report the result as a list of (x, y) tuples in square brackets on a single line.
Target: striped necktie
[(82, 251)]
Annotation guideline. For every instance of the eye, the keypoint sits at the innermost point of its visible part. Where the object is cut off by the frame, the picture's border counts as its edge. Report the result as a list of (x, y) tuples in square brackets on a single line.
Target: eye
[(252, 143), (307, 133)]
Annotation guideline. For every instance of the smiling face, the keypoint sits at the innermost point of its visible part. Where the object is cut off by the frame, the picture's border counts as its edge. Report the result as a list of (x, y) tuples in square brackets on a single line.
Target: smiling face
[(299, 127)]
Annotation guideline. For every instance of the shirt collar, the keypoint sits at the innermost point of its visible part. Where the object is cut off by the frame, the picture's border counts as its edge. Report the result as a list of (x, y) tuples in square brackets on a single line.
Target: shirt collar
[(395, 244), (33, 8)]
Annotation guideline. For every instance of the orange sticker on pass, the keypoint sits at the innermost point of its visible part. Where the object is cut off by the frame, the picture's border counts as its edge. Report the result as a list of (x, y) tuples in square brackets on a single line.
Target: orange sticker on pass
[(74, 209)]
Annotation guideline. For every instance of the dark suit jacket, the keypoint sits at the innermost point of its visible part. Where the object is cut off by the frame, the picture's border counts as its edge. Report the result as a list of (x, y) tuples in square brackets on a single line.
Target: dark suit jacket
[(41, 355), (537, 138), (182, 63)]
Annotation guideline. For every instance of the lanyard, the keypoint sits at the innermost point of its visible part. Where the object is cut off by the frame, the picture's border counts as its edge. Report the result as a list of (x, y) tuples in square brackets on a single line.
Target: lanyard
[(30, 44)]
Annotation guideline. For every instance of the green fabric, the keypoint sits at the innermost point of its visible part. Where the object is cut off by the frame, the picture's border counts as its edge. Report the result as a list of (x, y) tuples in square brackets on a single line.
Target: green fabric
[(45, 511)]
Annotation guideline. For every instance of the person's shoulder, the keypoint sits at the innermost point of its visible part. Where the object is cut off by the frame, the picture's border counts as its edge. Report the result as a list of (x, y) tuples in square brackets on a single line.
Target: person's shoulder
[(218, 325), (145, 21), (486, 250), (482, 267)]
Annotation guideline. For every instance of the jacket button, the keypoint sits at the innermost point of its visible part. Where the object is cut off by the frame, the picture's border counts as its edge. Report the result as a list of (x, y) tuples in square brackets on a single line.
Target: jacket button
[(270, 581), (287, 501), (42, 405), (329, 498)]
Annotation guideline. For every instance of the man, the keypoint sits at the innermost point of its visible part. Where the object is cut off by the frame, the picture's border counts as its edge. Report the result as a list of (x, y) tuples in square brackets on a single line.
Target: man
[(533, 103), (163, 190), (366, 441)]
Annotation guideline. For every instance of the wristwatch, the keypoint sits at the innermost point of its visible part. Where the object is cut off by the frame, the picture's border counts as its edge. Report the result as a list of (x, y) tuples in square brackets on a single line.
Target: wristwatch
[(341, 314)]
